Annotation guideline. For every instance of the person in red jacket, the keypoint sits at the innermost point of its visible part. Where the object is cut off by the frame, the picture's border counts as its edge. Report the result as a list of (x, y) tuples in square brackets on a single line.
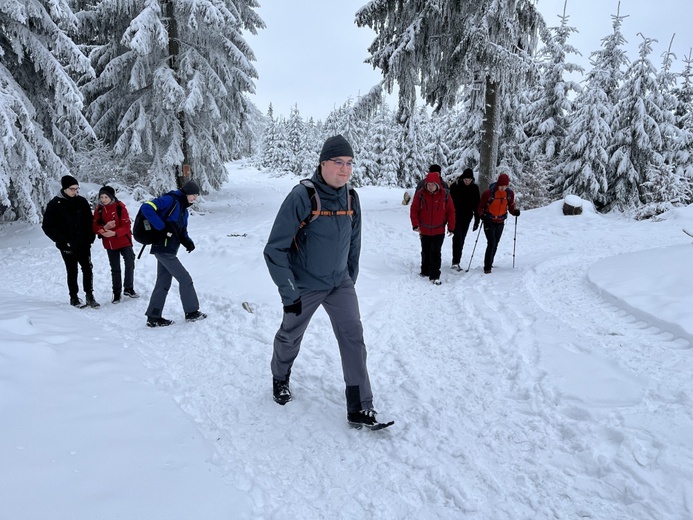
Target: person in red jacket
[(111, 223), (494, 206), (431, 209)]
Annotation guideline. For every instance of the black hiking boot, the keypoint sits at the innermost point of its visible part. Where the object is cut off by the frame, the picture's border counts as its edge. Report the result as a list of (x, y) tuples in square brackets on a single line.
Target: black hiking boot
[(194, 316), (131, 293), (91, 302), (366, 418), (158, 322), (281, 391), (75, 301), (116, 297)]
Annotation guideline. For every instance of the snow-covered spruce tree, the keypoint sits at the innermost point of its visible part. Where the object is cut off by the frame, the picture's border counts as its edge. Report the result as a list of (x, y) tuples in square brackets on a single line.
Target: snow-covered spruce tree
[(439, 46), (465, 133), (172, 78), (295, 140), (584, 162), (40, 104), (313, 143), (548, 113), (663, 190), (413, 164), (642, 124), (611, 59), (582, 169), (436, 147), (380, 159), (683, 155)]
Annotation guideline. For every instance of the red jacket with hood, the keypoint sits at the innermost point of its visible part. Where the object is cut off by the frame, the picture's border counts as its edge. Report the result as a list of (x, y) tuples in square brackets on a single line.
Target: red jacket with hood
[(123, 233), (431, 211)]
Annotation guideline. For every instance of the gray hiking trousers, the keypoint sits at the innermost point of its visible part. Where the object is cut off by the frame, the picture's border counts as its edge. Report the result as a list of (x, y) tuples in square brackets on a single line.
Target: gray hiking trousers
[(168, 267), (341, 305)]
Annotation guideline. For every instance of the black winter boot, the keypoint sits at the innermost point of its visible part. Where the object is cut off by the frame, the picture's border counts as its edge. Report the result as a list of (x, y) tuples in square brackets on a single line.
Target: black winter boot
[(92, 302), (281, 390), (116, 297)]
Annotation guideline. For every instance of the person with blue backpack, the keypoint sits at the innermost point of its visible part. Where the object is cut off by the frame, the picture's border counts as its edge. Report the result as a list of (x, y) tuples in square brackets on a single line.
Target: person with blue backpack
[(169, 215), (494, 206), (312, 255)]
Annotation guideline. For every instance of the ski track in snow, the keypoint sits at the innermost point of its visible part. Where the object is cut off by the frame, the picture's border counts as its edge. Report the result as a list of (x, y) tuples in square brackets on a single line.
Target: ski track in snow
[(484, 428)]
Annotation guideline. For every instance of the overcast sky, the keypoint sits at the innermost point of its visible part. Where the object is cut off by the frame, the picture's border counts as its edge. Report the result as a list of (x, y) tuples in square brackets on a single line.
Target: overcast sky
[(312, 54)]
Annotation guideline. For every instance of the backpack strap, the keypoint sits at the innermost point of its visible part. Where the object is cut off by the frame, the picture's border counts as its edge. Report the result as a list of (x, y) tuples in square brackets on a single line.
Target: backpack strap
[(119, 212), (317, 210)]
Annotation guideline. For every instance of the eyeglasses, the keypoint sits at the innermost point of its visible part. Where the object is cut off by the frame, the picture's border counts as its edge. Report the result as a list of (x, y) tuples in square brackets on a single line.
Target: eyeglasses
[(340, 163), (73, 189)]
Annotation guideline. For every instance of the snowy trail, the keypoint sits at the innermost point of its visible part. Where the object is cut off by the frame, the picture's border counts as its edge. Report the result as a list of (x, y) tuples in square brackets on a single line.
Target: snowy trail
[(491, 422)]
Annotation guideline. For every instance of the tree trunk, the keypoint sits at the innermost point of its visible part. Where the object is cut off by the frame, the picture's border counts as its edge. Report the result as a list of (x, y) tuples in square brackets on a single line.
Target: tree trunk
[(488, 153), (182, 173)]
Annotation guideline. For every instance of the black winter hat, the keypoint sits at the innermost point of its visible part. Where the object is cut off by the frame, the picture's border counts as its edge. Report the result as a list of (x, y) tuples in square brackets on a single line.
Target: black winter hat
[(468, 174), (67, 181), (190, 188), (434, 168), (335, 146), (107, 190)]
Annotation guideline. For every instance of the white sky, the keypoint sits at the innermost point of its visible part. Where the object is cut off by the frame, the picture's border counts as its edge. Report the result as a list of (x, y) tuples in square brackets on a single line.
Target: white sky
[(312, 54), (559, 388)]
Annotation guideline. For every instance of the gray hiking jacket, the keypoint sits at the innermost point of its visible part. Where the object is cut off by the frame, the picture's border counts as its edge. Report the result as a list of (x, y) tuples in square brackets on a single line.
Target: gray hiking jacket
[(326, 251)]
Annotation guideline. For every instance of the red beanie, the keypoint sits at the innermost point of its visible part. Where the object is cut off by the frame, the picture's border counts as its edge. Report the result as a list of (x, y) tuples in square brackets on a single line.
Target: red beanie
[(503, 180)]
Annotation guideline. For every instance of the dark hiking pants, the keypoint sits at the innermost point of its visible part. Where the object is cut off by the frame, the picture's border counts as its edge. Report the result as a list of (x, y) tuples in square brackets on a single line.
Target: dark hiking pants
[(461, 228), (73, 261), (493, 232), (431, 247), (342, 307), (129, 260), (168, 267)]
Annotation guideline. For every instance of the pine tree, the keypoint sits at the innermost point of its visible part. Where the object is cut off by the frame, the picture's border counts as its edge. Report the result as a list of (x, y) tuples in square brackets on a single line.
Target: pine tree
[(547, 116), (641, 125), (40, 104), (171, 83), (436, 47)]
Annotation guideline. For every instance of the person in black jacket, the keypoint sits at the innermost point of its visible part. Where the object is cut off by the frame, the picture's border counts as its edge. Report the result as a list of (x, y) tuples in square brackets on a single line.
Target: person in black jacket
[(465, 196), (67, 222)]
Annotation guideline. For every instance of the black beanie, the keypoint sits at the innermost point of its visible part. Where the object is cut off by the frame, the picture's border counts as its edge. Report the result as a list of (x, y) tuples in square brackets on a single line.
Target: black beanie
[(190, 188), (434, 168), (110, 192), (335, 146), (468, 174), (67, 181)]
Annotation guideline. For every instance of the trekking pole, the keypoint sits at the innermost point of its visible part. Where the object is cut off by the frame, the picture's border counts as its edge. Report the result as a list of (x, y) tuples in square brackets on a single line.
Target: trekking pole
[(514, 242), (473, 249)]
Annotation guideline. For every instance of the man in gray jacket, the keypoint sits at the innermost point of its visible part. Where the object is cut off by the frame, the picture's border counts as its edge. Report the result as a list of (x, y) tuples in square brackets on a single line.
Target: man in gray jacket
[(316, 263)]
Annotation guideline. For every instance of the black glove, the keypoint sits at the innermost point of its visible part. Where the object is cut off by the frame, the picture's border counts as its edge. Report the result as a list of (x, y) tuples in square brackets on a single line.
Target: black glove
[(294, 308), (517, 213), (188, 244), (64, 247), (476, 225)]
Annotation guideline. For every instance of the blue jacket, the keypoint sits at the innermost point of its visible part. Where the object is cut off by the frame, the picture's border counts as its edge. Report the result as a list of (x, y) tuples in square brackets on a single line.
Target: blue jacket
[(326, 251), (156, 211)]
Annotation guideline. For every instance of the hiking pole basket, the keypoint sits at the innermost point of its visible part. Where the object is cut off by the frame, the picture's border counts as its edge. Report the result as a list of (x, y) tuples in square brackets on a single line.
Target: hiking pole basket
[(474, 248)]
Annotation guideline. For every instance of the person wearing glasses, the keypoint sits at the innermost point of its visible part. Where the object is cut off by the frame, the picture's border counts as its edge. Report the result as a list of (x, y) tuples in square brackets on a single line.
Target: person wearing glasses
[(67, 222), (316, 263)]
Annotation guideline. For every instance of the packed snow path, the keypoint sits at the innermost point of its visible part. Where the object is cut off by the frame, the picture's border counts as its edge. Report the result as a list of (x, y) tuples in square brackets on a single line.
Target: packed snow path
[(527, 393)]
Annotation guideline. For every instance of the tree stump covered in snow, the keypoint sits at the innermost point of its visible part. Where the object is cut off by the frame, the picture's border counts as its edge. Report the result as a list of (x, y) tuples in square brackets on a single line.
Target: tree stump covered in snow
[(572, 205)]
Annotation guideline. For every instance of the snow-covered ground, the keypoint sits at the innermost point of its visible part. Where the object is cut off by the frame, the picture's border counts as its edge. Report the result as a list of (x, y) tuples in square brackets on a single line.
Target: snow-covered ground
[(560, 388)]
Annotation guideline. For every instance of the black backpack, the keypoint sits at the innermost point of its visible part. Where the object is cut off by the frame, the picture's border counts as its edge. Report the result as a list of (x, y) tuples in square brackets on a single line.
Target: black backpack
[(142, 229)]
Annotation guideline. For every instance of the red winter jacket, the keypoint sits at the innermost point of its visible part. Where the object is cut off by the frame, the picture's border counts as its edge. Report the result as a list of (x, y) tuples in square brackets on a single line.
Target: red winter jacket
[(123, 233), (431, 211)]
